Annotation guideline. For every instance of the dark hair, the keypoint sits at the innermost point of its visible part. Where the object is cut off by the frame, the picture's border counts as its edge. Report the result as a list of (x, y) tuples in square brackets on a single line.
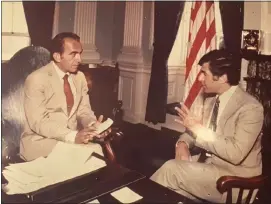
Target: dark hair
[(58, 42), (221, 62)]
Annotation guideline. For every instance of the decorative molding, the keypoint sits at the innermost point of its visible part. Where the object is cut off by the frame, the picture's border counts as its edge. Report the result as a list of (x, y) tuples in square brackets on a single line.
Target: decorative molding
[(171, 89), (172, 70), (108, 62), (133, 28), (131, 58), (133, 24), (132, 55), (134, 68), (85, 21), (85, 27), (126, 91)]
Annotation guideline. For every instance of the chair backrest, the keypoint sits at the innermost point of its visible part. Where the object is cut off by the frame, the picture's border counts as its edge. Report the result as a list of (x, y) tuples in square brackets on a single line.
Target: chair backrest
[(14, 73), (103, 84), (228, 183)]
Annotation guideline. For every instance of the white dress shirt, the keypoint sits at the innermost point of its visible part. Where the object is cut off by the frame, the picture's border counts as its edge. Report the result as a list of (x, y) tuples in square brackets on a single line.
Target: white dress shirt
[(223, 100), (71, 136)]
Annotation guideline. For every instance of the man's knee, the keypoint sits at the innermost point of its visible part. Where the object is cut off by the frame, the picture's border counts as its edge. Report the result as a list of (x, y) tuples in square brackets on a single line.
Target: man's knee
[(169, 165), (166, 169)]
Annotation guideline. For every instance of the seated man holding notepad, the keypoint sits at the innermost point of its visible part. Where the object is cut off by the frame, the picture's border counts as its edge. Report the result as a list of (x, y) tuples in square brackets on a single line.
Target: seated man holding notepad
[(55, 102)]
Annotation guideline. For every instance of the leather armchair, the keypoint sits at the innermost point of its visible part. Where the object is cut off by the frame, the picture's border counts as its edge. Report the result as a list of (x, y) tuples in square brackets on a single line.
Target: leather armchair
[(14, 73)]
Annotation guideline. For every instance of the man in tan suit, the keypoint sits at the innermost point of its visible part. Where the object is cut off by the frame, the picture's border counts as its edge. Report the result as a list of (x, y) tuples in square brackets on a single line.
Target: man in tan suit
[(230, 133), (56, 101)]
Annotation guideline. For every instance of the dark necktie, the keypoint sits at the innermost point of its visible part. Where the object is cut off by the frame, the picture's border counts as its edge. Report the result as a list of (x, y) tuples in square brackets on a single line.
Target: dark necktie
[(213, 122), (68, 93), (212, 126)]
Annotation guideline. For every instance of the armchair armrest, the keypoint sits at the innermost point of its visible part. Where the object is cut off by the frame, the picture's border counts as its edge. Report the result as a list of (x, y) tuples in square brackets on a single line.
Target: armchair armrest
[(228, 183), (109, 153)]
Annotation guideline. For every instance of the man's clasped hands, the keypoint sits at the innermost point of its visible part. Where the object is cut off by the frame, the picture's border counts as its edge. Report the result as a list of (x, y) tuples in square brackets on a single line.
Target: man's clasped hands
[(89, 133)]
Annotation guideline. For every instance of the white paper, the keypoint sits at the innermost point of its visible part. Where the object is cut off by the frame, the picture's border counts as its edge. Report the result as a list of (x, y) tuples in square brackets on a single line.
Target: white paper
[(66, 161), (94, 201), (126, 195), (104, 126)]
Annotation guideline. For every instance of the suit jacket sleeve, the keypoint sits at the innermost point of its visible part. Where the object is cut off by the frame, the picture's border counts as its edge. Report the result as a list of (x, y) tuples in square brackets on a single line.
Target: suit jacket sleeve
[(37, 115), (233, 148), (84, 114)]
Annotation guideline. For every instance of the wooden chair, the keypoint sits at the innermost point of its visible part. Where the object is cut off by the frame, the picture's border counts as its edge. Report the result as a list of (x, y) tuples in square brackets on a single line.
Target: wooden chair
[(103, 84), (226, 184)]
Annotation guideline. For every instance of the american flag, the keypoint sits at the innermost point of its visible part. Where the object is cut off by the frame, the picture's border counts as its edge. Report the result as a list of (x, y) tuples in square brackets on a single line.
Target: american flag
[(202, 39)]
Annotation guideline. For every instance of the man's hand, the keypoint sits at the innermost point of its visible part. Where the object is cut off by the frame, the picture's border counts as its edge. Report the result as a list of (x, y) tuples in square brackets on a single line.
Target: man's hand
[(96, 125), (98, 122), (87, 134), (187, 118), (182, 152), (83, 136)]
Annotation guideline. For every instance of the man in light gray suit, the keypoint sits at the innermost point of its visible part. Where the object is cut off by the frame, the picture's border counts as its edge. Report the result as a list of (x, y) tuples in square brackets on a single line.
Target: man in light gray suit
[(229, 134), (56, 100)]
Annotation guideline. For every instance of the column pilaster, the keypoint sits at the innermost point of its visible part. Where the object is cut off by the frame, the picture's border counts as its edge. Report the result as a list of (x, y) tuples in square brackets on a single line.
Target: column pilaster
[(131, 51), (85, 27)]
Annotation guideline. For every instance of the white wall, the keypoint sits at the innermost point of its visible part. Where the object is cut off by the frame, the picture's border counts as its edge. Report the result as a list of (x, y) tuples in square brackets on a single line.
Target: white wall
[(14, 29), (134, 79), (257, 16)]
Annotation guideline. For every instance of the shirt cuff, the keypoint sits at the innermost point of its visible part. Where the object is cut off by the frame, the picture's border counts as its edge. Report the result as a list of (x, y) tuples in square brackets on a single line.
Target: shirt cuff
[(70, 138), (183, 142)]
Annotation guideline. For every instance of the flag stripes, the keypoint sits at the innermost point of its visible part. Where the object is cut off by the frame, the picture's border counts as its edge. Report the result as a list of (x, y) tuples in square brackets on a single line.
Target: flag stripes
[(201, 40)]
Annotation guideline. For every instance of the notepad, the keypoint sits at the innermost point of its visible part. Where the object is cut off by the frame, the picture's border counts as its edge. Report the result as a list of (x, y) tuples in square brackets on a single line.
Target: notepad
[(104, 126), (126, 195)]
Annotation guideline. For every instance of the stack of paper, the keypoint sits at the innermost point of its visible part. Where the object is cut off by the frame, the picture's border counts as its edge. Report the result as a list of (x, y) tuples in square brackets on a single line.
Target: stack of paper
[(66, 161)]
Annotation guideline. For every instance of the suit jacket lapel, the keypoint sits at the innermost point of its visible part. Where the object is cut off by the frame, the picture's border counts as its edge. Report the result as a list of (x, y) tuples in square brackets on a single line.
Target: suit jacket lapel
[(57, 88), (232, 106)]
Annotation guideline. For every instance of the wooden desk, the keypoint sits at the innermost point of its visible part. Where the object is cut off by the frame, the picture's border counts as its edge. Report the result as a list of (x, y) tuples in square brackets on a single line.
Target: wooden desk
[(80, 189), (151, 193), (99, 185)]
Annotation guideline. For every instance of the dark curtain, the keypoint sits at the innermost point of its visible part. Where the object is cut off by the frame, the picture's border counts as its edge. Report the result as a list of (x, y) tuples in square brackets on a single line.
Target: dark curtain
[(39, 17), (232, 16), (166, 23)]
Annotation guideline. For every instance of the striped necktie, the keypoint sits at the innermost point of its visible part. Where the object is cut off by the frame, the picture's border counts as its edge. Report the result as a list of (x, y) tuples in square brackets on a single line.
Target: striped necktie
[(213, 121)]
